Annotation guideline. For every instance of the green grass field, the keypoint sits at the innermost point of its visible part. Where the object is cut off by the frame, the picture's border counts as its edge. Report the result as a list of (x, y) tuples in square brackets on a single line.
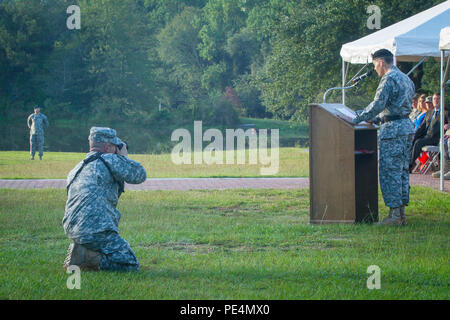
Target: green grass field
[(286, 129), (293, 162), (233, 244)]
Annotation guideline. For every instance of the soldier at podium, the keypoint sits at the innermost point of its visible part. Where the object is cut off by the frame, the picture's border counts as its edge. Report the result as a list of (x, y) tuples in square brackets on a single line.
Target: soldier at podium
[(391, 108)]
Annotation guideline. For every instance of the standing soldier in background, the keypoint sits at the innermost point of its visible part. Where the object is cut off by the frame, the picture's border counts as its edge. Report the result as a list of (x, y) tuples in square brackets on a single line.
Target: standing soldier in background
[(91, 219), (392, 106), (37, 123)]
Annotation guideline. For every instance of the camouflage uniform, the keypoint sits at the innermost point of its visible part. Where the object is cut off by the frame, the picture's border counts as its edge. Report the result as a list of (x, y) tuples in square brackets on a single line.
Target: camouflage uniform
[(413, 115), (91, 218), (393, 99), (39, 123)]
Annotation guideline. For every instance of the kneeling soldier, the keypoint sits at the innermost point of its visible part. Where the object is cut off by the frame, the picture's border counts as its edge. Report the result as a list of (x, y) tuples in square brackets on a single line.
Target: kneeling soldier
[(91, 218)]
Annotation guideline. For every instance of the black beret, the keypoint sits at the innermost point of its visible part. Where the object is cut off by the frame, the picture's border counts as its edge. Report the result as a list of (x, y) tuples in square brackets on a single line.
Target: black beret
[(381, 54)]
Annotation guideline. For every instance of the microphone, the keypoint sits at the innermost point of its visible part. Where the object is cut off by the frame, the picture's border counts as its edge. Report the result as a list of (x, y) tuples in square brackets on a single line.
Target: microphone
[(365, 75), (354, 81)]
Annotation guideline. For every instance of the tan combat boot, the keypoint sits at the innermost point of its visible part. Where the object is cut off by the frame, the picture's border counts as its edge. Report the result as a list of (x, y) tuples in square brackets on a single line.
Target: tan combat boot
[(82, 257), (402, 215), (394, 217)]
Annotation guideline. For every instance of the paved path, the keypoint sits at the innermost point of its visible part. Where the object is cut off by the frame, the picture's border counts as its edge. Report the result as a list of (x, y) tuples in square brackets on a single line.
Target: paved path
[(209, 183), (428, 181)]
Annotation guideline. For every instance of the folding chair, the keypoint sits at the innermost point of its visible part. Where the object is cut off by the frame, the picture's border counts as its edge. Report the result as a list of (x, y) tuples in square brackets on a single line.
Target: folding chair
[(433, 158), (420, 163)]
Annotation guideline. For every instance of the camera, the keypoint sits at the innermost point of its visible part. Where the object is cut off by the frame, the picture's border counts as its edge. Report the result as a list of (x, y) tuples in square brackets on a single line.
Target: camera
[(120, 146)]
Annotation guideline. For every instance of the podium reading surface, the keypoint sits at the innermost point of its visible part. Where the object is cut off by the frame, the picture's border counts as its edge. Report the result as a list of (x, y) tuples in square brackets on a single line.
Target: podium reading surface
[(343, 167)]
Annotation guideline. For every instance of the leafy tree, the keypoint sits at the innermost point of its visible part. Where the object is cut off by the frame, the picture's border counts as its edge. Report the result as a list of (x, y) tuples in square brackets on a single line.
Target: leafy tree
[(26, 36), (223, 18), (249, 95), (123, 76), (178, 43), (242, 47)]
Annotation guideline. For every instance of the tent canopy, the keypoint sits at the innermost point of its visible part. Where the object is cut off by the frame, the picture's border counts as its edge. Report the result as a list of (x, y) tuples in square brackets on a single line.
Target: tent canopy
[(444, 42), (409, 40)]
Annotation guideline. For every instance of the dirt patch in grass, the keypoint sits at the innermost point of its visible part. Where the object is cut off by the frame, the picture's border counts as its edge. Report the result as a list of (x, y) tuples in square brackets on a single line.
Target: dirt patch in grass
[(234, 211), (205, 248), (190, 248)]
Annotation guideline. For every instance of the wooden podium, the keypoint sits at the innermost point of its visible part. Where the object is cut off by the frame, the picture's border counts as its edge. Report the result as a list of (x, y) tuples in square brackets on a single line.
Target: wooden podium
[(343, 167)]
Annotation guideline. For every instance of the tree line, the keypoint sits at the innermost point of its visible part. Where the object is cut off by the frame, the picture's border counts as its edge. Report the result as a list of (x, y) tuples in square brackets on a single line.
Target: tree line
[(210, 60)]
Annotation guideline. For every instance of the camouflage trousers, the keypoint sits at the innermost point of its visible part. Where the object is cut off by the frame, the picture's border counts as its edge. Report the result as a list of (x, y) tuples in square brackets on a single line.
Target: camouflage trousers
[(395, 156), (117, 254), (36, 141)]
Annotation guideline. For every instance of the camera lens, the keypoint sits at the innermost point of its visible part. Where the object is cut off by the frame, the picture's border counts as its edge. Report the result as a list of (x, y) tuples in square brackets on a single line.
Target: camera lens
[(120, 146)]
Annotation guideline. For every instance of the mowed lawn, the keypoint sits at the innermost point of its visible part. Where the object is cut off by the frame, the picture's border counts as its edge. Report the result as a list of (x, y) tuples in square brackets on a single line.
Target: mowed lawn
[(293, 162), (232, 244)]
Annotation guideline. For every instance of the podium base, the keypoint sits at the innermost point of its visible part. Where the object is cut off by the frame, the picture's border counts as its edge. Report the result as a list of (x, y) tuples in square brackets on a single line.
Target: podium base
[(330, 221)]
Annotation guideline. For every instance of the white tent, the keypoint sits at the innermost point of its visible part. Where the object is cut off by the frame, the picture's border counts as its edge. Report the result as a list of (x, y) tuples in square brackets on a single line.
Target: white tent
[(444, 42), (444, 45), (409, 40)]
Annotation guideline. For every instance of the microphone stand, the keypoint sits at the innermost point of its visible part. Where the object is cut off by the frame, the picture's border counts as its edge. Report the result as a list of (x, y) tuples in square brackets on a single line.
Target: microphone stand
[(337, 88), (356, 81)]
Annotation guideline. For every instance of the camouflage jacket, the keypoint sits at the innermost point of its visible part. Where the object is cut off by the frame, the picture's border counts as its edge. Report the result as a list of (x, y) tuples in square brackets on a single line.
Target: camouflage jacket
[(39, 123), (393, 98), (93, 195)]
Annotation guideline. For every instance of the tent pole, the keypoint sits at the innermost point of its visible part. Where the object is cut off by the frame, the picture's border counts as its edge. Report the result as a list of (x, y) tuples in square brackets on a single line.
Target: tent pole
[(415, 67), (442, 121), (446, 68), (357, 74), (343, 81)]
